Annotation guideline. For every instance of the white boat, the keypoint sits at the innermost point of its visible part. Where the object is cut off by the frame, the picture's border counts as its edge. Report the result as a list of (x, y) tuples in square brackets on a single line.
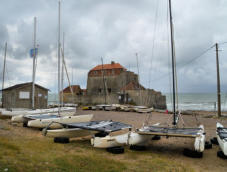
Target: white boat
[(130, 138), (37, 111), (69, 133), (144, 135), (42, 123), (222, 137), (73, 130)]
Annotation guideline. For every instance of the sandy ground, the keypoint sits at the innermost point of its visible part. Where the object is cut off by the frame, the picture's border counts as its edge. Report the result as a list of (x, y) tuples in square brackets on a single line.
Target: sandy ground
[(172, 148)]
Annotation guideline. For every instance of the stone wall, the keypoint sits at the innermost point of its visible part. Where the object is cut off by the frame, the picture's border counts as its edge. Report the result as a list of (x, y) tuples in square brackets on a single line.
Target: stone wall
[(95, 85), (149, 98)]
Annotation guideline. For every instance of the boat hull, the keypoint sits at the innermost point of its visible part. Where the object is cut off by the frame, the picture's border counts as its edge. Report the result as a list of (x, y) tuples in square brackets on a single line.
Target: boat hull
[(222, 142), (42, 123), (69, 133), (130, 138)]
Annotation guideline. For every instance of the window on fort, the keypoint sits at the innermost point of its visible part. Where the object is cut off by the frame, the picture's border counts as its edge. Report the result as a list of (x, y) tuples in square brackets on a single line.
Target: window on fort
[(109, 90), (99, 90)]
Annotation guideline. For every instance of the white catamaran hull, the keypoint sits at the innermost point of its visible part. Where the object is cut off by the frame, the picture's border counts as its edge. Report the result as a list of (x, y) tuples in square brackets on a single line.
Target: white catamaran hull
[(42, 123), (25, 118), (69, 133), (222, 142), (37, 111), (130, 138)]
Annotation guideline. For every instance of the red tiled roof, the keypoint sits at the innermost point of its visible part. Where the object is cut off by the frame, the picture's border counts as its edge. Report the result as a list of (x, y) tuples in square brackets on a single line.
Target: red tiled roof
[(108, 66), (75, 88), (133, 86)]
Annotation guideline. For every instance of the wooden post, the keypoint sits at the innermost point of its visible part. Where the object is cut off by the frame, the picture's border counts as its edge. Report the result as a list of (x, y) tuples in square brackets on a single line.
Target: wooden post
[(218, 82)]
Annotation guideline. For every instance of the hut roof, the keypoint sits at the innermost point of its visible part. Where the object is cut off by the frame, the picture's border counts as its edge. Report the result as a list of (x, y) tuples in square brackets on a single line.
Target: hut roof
[(23, 85)]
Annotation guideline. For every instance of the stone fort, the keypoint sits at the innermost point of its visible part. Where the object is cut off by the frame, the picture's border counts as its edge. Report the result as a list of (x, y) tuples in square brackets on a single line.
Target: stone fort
[(114, 84)]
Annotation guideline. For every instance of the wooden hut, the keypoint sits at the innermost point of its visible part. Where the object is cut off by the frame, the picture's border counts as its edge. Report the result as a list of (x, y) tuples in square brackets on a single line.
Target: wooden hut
[(20, 96)]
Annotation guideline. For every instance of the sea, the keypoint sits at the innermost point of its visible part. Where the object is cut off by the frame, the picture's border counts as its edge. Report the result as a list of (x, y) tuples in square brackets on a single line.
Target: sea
[(197, 101), (186, 101)]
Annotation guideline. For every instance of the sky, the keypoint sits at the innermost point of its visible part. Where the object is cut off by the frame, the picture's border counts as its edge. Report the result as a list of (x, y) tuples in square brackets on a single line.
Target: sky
[(116, 30)]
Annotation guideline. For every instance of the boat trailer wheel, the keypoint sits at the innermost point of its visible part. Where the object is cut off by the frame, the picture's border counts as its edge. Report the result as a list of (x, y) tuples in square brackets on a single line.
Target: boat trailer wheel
[(137, 147), (25, 124), (214, 141), (61, 140), (116, 150), (156, 137), (220, 154), (192, 153), (208, 145)]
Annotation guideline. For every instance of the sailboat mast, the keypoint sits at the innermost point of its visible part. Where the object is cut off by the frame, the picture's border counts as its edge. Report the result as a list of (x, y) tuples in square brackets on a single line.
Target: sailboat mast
[(173, 63), (33, 71), (59, 65), (62, 69), (104, 87), (137, 64), (4, 68)]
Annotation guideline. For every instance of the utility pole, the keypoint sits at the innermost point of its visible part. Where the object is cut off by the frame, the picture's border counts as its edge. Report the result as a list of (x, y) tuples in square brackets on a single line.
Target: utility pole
[(104, 87), (3, 73), (34, 68), (218, 82)]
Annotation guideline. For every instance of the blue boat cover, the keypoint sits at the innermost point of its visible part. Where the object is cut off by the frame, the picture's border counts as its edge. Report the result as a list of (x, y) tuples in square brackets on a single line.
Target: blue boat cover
[(43, 116), (156, 130), (102, 126), (222, 132)]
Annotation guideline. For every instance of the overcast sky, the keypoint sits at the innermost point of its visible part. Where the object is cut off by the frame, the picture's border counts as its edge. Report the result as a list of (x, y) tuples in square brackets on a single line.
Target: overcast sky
[(116, 30)]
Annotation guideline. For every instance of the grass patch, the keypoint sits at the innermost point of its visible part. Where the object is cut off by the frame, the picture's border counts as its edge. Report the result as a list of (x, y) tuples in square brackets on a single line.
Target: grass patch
[(42, 154), (6, 145)]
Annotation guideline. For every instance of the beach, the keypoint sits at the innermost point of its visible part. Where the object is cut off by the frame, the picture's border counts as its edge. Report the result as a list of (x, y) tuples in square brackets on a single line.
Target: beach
[(167, 153)]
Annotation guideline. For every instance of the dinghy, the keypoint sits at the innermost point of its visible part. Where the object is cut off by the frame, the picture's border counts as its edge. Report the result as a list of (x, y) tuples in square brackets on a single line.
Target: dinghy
[(99, 128), (44, 122), (37, 111), (222, 138), (26, 117)]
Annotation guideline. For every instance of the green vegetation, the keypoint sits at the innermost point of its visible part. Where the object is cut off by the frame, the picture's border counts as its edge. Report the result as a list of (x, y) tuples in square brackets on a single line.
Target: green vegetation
[(41, 154)]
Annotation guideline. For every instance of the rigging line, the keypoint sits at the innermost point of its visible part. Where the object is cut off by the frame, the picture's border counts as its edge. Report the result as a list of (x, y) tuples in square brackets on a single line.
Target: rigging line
[(222, 43), (197, 57), (181, 65), (153, 42)]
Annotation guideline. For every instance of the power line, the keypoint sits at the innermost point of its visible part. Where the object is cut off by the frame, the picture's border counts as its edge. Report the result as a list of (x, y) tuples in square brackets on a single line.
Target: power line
[(189, 62), (197, 57)]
